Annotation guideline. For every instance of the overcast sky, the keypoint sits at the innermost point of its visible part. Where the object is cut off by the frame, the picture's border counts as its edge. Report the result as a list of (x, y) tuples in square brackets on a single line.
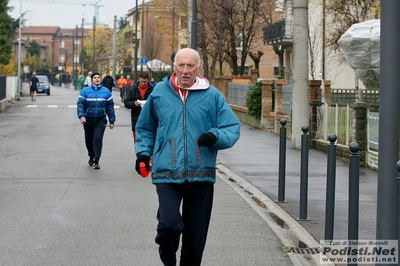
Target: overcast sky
[(70, 15)]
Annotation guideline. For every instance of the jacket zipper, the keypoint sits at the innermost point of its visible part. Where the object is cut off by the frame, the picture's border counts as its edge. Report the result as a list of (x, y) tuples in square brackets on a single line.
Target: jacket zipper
[(185, 140), (95, 115)]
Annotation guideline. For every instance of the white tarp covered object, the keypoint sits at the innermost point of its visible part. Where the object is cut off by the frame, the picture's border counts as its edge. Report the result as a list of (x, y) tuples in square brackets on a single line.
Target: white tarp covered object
[(361, 48), (155, 65)]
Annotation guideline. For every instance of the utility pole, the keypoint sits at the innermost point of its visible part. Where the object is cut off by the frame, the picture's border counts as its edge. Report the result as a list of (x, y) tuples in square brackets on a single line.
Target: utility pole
[(300, 70), (388, 120), (193, 42), (19, 82), (94, 44), (73, 54), (82, 53), (323, 38), (135, 60), (76, 49), (114, 52)]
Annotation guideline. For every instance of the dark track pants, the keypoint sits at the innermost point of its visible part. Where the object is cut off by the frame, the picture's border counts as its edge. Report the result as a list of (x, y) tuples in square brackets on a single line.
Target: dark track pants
[(197, 199), (94, 132)]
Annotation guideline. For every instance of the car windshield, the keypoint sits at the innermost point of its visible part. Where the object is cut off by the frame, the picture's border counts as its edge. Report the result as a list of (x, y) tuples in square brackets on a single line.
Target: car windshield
[(43, 79)]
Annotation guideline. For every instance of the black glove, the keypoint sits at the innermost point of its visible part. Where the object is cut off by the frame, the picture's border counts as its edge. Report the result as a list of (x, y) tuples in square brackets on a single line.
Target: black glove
[(142, 159), (207, 139)]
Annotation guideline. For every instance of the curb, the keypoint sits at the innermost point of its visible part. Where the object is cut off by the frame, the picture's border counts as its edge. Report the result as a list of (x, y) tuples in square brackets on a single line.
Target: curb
[(300, 245)]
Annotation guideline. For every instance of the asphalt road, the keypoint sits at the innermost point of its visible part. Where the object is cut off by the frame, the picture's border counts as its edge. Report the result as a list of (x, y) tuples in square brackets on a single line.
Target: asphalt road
[(56, 210)]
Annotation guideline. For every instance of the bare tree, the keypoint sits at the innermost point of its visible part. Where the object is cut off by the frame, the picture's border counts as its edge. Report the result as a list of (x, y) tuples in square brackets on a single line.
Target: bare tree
[(211, 43), (344, 13), (231, 28), (151, 42), (270, 13), (226, 30)]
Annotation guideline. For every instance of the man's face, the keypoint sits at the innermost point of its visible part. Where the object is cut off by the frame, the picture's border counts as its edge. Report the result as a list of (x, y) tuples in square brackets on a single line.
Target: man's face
[(96, 80), (186, 69), (143, 82), (90, 74)]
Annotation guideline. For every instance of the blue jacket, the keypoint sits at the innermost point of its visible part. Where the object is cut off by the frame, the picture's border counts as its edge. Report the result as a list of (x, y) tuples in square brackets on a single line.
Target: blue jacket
[(96, 102), (168, 130)]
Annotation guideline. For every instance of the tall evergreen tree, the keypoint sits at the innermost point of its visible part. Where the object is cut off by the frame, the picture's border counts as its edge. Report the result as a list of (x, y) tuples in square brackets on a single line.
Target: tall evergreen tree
[(34, 48), (5, 33)]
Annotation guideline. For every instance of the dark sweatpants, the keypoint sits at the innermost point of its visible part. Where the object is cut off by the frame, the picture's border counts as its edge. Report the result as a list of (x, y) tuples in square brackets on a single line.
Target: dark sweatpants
[(197, 200), (94, 132)]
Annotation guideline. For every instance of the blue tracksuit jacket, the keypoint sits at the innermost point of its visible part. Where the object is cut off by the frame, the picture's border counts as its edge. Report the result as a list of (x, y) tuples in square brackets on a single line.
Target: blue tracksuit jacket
[(168, 130)]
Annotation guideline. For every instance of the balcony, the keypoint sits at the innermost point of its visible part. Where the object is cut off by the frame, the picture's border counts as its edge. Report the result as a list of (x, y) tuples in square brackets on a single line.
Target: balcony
[(280, 33)]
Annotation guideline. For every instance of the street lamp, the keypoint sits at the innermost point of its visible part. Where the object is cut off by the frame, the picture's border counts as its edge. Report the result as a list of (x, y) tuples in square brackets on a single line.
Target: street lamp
[(73, 53), (74, 60), (193, 40), (114, 47), (52, 60), (135, 74), (81, 57), (94, 43), (19, 85), (59, 56), (52, 53)]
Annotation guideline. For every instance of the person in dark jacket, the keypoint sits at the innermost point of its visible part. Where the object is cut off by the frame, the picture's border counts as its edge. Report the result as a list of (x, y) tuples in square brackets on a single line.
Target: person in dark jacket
[(95, 103), (136, 98), (183, 125), (108, 81), (34, 82)]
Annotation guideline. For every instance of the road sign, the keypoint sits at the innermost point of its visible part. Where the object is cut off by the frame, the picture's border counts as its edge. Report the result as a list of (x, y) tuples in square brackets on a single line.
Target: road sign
[(144, 60)]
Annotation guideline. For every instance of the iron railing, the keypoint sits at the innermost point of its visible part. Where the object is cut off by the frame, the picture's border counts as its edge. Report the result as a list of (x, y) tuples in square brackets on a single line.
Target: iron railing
[(278, 31)]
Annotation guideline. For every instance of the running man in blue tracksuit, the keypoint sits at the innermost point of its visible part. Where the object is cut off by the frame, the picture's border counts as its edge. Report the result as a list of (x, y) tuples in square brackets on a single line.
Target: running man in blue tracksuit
[(94, 104), (183, 124)]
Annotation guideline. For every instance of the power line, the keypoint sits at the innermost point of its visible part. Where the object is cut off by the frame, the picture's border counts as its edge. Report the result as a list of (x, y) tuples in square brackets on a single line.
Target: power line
[(72, 2)]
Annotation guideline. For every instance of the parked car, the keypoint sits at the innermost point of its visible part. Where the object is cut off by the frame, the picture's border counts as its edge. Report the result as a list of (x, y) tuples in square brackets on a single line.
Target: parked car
[(44, 84)]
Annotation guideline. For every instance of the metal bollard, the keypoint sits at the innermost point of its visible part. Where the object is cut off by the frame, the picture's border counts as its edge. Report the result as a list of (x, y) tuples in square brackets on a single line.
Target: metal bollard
[(354, 195), (304, 174), (330, 188), (282, 162), (354, 191), (397, 225)]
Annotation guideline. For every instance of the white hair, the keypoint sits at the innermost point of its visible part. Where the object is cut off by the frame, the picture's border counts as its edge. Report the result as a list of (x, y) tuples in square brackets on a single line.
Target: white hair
[(186, 49)]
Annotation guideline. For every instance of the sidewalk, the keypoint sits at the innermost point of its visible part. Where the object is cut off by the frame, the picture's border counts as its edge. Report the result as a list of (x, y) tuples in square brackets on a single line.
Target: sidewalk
[(251, 169), (255, 158)]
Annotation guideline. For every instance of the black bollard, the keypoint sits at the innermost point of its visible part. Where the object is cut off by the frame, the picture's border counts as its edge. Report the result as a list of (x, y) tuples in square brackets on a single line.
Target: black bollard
[(397, 225), (354, 189), (354, 198), (304, 174), (330, 188), (282, 162)]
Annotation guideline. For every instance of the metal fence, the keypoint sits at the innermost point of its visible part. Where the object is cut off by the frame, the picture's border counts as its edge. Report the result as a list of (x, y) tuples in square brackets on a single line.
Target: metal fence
[(349, 96), (237, 93), (339, 120), (336, 120), (372, 139), (287, 95)]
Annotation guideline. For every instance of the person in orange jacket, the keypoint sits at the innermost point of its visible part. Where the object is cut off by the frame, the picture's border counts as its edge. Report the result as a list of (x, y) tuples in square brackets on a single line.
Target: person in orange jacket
[(122, 86)]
